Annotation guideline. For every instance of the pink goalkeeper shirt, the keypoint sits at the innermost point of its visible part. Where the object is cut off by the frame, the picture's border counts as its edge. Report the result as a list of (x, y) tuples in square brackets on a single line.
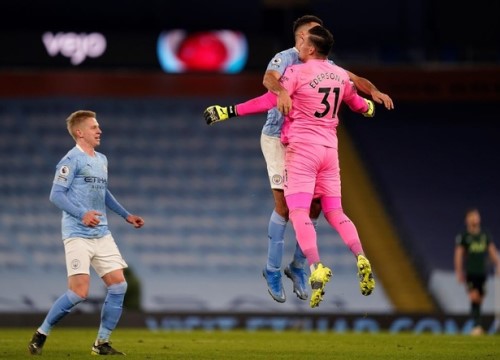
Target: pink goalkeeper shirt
[(317, 88)]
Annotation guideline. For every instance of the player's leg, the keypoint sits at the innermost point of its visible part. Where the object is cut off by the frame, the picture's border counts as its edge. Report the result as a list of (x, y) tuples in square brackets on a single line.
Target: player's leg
[(349, 234), (299, 187), (273, 152), (77, 253), (59, 309), (496, 303), (328, 184), (296, 269), (109, 265), (306, 237), (476, 294)]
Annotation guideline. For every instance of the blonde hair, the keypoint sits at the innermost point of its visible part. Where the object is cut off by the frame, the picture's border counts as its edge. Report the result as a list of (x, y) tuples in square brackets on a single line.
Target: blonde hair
[(76, 119)]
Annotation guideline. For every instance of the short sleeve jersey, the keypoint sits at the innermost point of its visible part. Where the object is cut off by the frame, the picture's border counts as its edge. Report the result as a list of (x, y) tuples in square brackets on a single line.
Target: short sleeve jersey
[(279, 63), (86, 178), (476, 249)]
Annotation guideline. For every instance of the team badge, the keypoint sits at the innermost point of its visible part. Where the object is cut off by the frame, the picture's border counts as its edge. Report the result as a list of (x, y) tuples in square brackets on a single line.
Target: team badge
[(277, 179), (75, 264)]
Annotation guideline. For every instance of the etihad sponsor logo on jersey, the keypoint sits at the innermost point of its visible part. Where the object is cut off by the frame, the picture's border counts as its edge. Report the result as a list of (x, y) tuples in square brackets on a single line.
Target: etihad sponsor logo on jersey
[(95, 180)]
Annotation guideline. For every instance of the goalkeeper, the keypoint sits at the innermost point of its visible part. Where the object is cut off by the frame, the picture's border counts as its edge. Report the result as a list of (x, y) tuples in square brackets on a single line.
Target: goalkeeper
[(317, 89), (274, 155)]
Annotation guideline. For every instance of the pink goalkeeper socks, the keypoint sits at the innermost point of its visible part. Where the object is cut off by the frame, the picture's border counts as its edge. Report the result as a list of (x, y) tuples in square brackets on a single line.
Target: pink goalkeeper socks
[(346, 229), (306, 234)]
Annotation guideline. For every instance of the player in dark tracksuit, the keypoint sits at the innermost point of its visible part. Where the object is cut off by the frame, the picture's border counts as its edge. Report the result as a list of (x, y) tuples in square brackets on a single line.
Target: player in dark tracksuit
[(474, 247)]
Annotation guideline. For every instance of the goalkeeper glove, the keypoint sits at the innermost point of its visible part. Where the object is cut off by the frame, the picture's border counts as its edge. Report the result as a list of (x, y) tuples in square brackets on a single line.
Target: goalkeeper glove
[(216, 113), (371, 109)]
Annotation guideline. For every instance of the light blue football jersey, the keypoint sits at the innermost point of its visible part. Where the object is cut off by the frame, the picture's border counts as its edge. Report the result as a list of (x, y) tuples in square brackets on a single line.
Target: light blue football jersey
[(86, 179), (279, 63)]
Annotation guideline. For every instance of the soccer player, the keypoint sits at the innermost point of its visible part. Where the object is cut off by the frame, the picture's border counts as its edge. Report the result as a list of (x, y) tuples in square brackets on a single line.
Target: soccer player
[(317, 88), (274, 155), (80, 190), (273, 152), (475, 246)]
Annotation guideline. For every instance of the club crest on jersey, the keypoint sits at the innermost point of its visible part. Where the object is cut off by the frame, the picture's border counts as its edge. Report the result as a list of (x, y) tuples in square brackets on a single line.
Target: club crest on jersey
[(277, 179)]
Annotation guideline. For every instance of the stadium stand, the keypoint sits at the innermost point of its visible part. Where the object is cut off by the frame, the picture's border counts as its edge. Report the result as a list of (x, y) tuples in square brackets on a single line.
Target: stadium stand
[(202, 190)]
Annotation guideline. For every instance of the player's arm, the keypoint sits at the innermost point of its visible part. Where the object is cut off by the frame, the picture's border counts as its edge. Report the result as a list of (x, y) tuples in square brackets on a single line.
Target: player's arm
[(59, 197), (458, 262), (272, 84), (358, 103), (367, 87), (216, 113), (493, 253), (114, 205)]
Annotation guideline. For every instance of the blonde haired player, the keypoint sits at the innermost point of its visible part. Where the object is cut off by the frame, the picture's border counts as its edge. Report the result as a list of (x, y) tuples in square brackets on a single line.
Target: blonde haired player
[(80, 190)]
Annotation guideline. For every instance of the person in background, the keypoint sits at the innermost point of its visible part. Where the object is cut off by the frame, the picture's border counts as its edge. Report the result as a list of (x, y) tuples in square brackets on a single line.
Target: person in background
[(80, 190), (473, 248)]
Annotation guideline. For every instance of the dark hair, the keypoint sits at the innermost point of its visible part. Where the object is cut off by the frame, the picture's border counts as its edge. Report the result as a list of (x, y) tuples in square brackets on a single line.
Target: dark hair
[(471, 209), (306, 19), (322, 39)]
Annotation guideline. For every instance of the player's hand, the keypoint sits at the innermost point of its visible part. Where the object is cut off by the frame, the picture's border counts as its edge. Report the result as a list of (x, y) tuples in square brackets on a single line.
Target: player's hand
[(371, 109), (381, 98), (135, 220), (216, 113), (91, 218), (284, 102)]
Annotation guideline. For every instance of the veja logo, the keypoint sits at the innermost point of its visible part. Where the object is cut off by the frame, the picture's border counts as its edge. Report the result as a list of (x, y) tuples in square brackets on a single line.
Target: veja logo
[(76, 47)]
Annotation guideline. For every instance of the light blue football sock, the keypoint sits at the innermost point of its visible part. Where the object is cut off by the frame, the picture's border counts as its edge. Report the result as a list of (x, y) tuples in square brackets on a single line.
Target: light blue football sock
[(60, 308), (276, 235), (299, 259), (111, 310)]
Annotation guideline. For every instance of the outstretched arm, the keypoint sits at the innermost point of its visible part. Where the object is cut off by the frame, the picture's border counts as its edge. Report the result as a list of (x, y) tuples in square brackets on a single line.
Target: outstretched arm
[(367, 87), (216, 113), (358, 103)]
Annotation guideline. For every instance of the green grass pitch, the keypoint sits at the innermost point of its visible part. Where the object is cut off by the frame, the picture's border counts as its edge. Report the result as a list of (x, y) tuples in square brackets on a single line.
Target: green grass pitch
[(75, 343)]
